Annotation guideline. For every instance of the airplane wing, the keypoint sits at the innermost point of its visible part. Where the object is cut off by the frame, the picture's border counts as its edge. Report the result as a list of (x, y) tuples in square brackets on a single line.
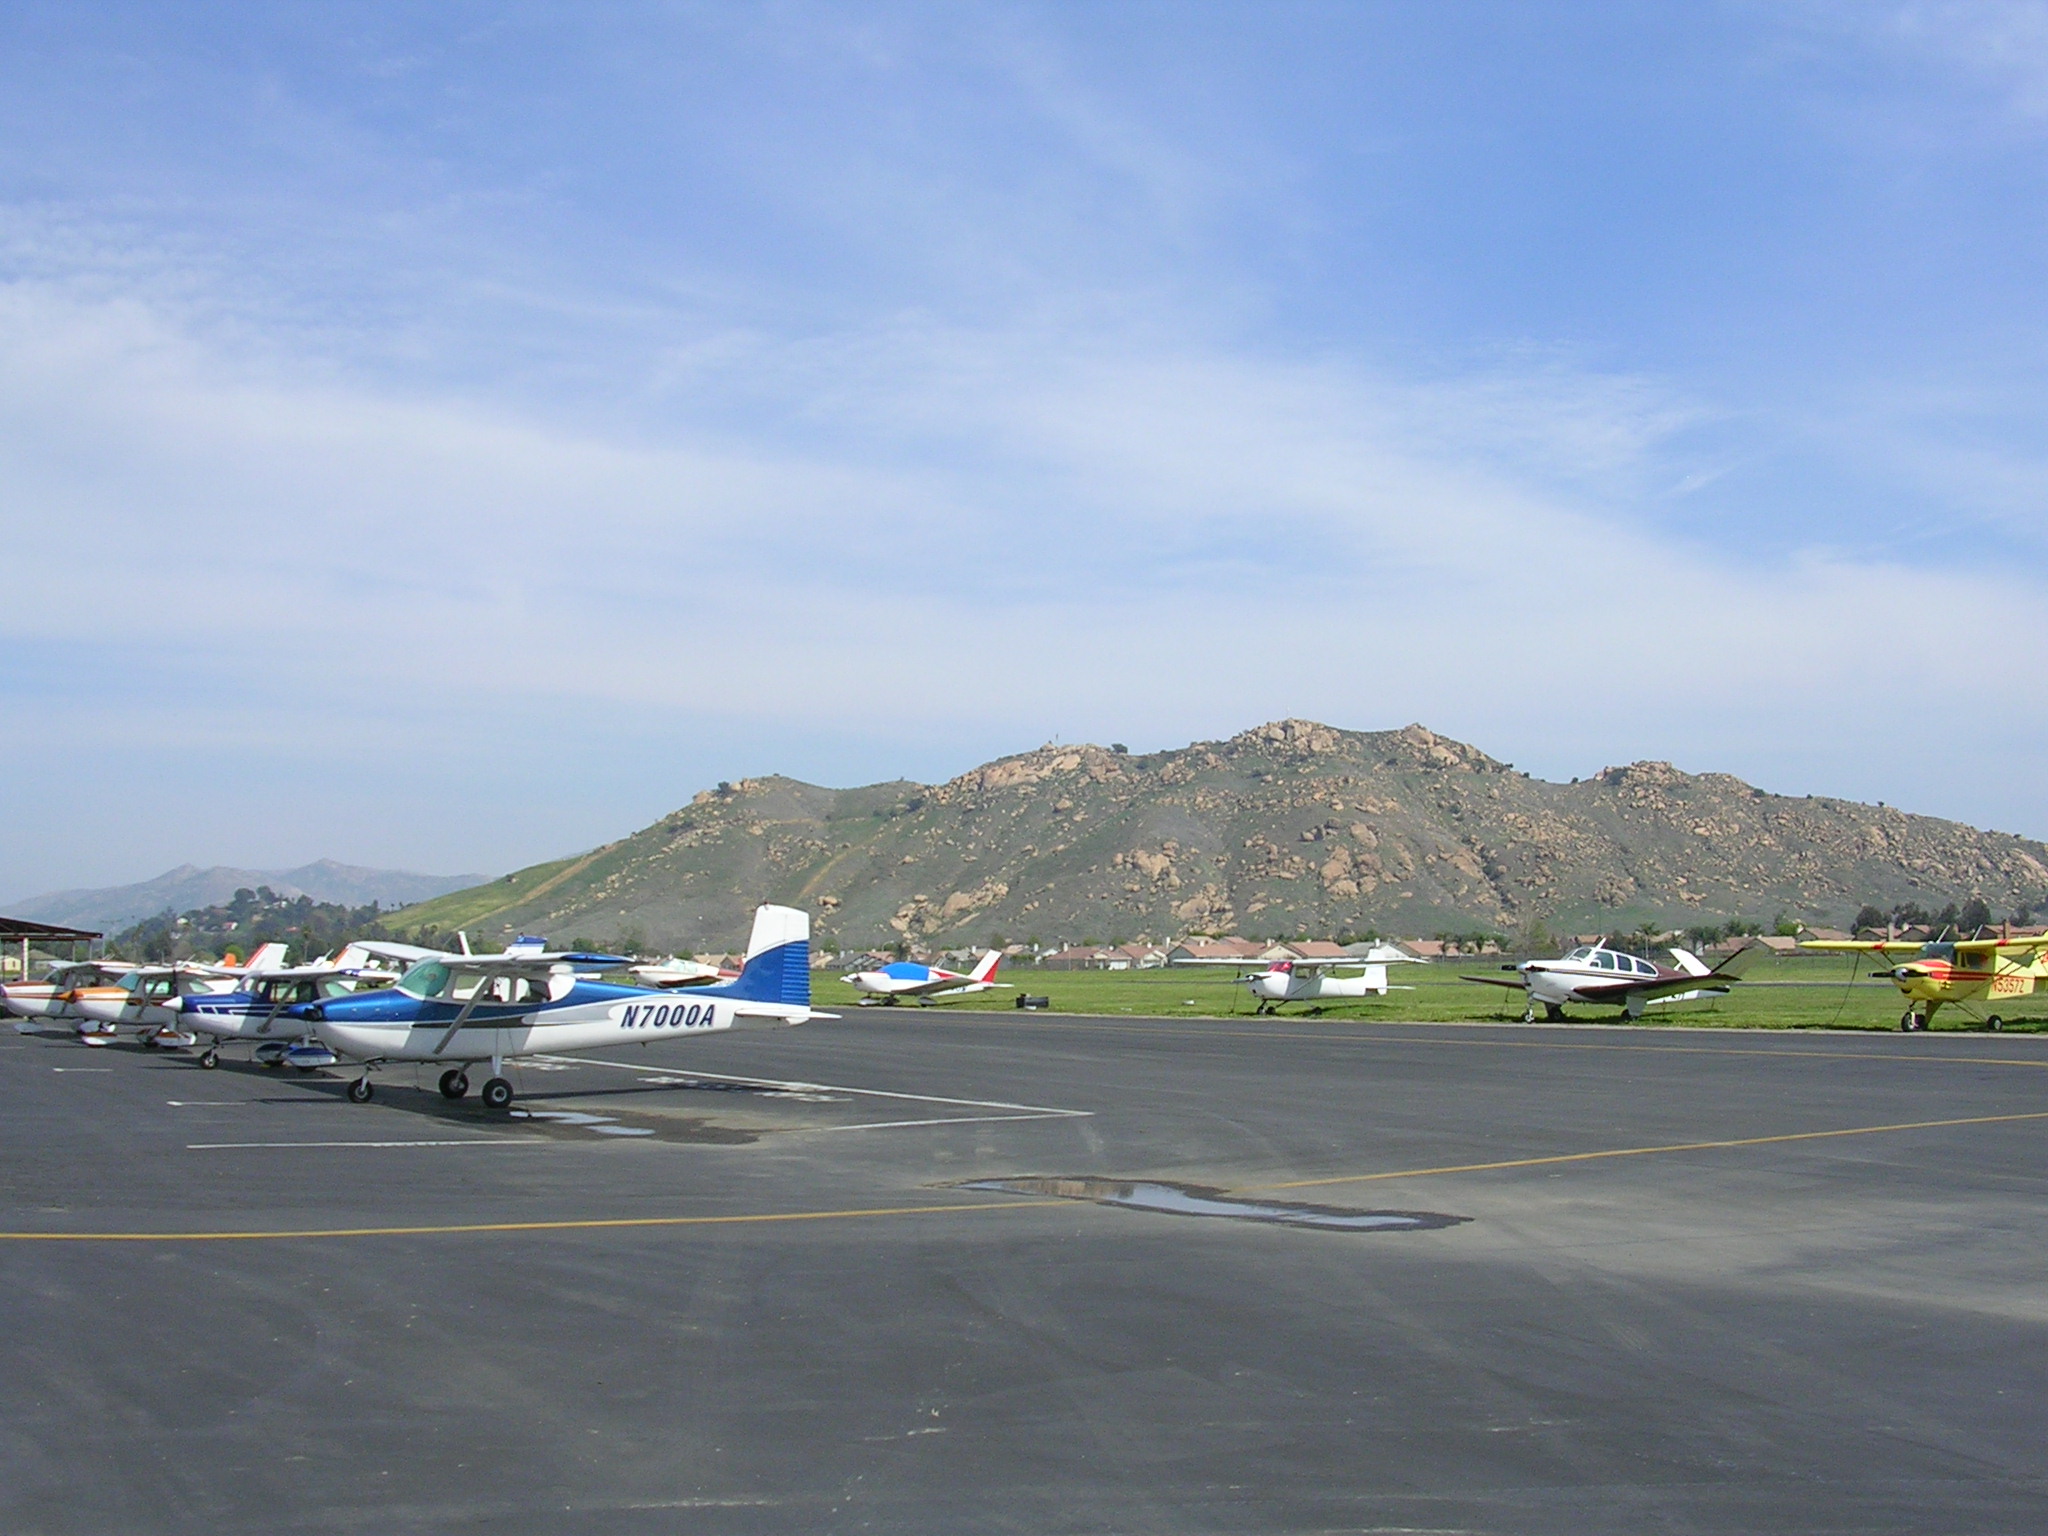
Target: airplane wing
[(407, 954), (1865, 946), (1497, 981), (1987, 946)]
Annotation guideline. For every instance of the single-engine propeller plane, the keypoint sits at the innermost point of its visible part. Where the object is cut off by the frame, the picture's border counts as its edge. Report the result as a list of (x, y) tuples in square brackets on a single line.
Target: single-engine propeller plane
[(50, 998), (1977, 975), (257, 1010), (926, 983), (1593, 973), (141, 998), (1305, 981), (465, 1010)]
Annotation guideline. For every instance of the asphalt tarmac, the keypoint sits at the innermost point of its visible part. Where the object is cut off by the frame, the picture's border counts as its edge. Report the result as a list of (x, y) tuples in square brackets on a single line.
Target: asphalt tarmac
[(1668, 1281)]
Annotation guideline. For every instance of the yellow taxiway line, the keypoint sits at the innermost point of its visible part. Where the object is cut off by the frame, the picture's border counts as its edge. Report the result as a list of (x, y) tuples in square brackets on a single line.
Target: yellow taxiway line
[(1677, 1146), (593, 1224)]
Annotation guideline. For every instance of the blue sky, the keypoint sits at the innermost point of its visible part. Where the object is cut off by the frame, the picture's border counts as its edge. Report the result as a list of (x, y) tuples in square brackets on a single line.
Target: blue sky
[(449, 436)]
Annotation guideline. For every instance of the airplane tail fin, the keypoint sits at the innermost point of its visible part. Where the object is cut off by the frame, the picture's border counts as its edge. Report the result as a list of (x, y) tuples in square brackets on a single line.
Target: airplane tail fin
[(268, 957), (1689, 963), (1738, 964), (778, 968), (985, 967)]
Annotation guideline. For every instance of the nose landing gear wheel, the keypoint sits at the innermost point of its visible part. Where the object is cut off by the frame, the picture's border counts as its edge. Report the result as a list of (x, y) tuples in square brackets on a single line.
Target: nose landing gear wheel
[(359, 1091), (209, 1059), (454, 1083), (497, 1093)]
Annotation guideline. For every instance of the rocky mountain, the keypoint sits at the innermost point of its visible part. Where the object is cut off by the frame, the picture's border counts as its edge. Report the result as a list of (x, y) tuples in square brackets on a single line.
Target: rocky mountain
[(188, 886), (1291, 828)]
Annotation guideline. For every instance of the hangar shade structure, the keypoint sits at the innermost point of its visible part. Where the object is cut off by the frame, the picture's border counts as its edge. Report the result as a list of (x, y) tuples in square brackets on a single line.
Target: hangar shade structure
[(27, 933)]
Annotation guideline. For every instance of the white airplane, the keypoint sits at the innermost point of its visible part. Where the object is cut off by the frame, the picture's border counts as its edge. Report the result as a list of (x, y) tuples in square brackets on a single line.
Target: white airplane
[(674, 972), (926, 983), (1304, 981), (469, 1009), (256, 1010), (50, 998), (1593, 973), (139, 998)]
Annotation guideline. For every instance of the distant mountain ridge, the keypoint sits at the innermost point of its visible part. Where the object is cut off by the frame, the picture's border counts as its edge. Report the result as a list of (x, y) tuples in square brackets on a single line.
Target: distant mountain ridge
[(1289, 828), (188, 886)]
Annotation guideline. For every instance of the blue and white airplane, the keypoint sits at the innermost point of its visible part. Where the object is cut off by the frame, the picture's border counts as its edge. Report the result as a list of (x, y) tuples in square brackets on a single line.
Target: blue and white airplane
[(258, 1009), (528, 1001), (926, 983)]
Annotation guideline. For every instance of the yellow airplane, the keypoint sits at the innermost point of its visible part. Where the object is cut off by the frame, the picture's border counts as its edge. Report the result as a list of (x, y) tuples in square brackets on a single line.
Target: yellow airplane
[(1965, 972)]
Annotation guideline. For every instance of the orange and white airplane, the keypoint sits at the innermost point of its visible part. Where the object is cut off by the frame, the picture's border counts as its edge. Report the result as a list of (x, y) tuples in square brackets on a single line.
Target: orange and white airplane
[(50, 998), (1977, 975), (136, 1000)]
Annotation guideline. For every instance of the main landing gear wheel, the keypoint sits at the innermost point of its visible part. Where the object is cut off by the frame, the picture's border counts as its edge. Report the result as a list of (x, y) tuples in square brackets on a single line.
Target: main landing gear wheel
[(497, 1093), (359, 1091), (210, 1058), (1553, 1012), (1994, 1023), (454, 1083)]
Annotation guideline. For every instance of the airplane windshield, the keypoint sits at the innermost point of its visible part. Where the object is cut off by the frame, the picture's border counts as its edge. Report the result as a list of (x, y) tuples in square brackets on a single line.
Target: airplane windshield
[(427, 979), (1579, 954), (1938, 952)]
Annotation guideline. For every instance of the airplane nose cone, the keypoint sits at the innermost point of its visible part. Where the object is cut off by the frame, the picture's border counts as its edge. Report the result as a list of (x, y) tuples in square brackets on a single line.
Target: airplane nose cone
[(174, 1004)]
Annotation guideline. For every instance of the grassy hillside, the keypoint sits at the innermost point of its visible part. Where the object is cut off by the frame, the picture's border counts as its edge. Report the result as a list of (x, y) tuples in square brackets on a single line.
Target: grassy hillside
[(477, 904)]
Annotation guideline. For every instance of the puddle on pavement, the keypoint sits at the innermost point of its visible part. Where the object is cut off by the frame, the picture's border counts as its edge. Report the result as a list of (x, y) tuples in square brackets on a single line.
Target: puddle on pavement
[(1196, 1200)]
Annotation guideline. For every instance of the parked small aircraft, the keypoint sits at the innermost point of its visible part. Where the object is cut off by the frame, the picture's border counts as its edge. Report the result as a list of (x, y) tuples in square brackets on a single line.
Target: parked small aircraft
[(1966, 972), (528, 1000), (256, 1010), (926, 983), (139, 998), (1304, 981), (50, 998), (1593, 973), (672, 973)]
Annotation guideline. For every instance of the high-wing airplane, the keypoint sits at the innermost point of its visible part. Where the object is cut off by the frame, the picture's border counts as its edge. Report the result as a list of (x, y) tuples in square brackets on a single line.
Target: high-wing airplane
[(1966, 972), (465, 1010), (50, 998), (139, 998), (257, 1009), (1593, 973), (926, 983), (1303, 981)]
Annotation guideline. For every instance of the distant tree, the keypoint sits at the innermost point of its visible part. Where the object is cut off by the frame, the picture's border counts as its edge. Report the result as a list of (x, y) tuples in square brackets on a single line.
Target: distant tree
[(1787, 927), (1868, 916), (1975, 915), (1947, 917), (1118, 748)]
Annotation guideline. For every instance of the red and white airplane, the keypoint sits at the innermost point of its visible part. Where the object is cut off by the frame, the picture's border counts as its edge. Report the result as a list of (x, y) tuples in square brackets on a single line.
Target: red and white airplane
[(926, 983)]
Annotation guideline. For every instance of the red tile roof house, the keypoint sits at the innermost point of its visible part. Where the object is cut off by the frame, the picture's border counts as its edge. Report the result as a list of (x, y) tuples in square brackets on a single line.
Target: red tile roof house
[(1215, 952)]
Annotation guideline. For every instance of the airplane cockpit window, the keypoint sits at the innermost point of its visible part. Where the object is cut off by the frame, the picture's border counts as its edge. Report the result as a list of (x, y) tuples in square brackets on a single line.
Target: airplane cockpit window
[(1938, 952), (1603, 961), (427, 979), (1581, 953)]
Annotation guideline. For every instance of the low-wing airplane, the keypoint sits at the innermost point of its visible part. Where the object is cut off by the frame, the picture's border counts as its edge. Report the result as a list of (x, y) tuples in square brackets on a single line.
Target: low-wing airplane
[(674, 972), (1966, 972), (926, 983), (468, 1009), (257, 1009), (1593, 973), (1304, 981)]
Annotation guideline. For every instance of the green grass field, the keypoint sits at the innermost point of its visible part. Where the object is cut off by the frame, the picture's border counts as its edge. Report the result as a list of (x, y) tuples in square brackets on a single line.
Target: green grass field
[(1830, 992)]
